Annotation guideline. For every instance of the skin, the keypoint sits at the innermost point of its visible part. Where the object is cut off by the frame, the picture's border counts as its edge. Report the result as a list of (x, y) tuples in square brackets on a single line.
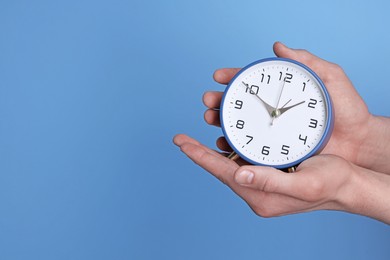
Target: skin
[(351, 174)]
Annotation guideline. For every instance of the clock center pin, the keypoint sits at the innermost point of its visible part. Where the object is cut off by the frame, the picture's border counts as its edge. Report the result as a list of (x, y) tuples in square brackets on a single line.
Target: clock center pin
[(275, 113)]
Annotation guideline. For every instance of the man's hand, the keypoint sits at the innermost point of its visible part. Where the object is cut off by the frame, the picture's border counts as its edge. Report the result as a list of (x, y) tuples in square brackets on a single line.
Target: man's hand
[(347, 176), (355, 128), (321, 182)]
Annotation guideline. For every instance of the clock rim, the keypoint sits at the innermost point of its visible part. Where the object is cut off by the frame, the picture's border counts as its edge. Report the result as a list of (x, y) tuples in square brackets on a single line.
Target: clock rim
[(329, 122)]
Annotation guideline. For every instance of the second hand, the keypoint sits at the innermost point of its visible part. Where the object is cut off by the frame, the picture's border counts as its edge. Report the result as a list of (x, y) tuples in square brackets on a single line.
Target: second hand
[(277, 105)]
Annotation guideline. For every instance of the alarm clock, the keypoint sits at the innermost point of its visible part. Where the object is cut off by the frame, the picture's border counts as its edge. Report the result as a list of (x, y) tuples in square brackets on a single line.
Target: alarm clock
[(276, 112)]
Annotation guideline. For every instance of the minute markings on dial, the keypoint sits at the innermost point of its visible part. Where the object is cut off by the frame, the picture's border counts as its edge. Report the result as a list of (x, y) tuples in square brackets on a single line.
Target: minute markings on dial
[(300, 130)]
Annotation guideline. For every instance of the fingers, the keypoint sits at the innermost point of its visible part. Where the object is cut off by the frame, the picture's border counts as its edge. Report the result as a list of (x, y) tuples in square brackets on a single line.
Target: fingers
[(266, 198), (224, 76), (302, 56), (270, 180), (261, 179), (218, 165), (322, 68), (212, 117), (283, 51), (181, 139), (223, 145), (212, 99)]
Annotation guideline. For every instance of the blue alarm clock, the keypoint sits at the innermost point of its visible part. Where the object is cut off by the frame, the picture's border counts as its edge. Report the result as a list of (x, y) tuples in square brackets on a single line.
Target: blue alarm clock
[(276, 112)]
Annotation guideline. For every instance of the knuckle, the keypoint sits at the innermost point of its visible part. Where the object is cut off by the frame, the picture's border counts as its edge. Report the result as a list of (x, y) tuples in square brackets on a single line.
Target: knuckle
[(195, 153), (266, 184), (186, 148), (202, 156), (264, 208), (305, 55), (315, 190), (263, 212), (267, 214), (336, 68), (335, 71)]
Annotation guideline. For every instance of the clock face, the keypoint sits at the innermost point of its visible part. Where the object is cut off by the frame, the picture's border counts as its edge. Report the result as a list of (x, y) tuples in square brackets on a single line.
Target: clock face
[(276, 112)]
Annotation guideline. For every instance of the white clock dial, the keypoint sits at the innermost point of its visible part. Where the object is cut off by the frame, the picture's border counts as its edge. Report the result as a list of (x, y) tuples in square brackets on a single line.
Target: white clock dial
[(275, 112)]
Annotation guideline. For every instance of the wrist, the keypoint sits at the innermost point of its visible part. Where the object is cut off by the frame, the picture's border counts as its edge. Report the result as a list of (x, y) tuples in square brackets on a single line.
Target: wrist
[(367, 194), (373, 152)]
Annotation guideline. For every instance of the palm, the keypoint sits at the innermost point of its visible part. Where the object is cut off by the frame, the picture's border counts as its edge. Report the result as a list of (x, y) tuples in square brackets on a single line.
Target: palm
[(321, 182), (351, 114)]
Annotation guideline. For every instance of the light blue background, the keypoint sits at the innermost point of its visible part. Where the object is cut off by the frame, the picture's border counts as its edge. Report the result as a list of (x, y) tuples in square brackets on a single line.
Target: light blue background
[(92, 92)]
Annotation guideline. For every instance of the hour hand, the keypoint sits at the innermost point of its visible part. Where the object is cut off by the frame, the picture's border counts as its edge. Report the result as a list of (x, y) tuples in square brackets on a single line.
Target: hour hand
[(269, 108)]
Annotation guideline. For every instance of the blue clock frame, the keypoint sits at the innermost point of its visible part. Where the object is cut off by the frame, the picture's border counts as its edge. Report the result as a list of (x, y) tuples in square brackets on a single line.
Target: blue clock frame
[(329, 123)]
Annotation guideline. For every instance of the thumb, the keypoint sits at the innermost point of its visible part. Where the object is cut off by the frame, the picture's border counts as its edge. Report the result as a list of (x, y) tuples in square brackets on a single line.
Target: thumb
[(318, 65), (268, 179), (302, 56), (283, 51)]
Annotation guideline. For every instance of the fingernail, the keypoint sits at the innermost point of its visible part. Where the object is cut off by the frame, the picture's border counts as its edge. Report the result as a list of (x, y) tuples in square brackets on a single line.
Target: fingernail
[(244, 177)]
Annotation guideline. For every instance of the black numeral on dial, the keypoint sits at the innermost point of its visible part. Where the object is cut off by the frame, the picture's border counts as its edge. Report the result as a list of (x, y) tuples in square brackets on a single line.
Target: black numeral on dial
[(288, 77), (240, 124), (285, 149), (303, 139), (263, 76), (265, 150), (312, 103), (239, 104), (250, 139), (254, 90), (313, 123)]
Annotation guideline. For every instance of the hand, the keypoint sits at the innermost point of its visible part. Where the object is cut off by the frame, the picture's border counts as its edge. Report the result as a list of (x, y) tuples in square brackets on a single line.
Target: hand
[(334, 181), (353, 129), (321, 182)]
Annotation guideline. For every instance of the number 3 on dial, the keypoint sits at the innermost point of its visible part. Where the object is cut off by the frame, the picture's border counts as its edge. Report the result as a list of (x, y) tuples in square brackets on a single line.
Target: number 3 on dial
[(276, 112)]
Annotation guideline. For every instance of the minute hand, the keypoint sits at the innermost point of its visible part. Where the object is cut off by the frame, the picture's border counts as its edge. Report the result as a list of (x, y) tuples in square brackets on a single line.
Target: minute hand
[(282, 110)]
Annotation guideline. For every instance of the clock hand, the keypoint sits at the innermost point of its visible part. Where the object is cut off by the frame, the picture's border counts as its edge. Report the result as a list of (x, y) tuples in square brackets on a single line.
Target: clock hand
[(276, 112), (284, 109), (281, 91), (286, 103), (269, 108)]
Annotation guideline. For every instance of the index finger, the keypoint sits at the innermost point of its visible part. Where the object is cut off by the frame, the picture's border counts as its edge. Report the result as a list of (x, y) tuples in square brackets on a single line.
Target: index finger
[(218, 165)]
